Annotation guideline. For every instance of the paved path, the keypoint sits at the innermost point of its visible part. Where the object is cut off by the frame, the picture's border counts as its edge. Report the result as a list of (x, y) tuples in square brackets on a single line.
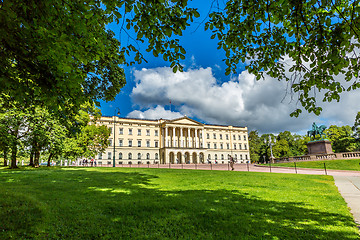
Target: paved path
[(349, 188)]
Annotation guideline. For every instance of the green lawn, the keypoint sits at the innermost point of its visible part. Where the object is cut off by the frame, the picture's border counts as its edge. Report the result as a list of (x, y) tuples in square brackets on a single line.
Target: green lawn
[(121, 203), (349, 164)]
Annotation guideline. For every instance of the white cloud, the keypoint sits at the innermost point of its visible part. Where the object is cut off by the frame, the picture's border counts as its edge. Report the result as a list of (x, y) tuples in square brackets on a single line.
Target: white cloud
[(242, 101), (154, 113)]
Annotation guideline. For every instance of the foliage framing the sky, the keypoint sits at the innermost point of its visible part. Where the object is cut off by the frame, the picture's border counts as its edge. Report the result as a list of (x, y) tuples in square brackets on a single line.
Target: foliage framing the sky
[(320, 37), (61, 54)]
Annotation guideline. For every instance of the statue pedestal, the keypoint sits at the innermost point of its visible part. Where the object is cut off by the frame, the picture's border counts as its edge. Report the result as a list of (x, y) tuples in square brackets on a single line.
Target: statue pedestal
[(319, 147)]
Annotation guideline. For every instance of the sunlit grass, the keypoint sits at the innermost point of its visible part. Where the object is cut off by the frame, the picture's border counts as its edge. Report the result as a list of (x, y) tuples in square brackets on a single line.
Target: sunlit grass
[(349, 164), (124, 203)]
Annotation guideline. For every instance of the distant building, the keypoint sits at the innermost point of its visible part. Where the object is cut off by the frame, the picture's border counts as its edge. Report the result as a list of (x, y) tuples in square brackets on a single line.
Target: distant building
[(181, 140)]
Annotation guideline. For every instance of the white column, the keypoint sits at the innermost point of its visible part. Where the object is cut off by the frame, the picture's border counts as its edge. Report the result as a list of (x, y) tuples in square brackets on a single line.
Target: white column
[(202, 138), (181, 138), (162, 139), (196, 139), (174, 138), (166, 137), (189, 146)]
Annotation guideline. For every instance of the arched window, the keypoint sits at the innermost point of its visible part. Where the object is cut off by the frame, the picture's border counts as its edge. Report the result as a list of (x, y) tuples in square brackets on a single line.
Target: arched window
[(209, 156), (139, 155), (130, 156), (215, 156), (235, 156), (156, 155), (148, 156), (120, 155), (222, 156)]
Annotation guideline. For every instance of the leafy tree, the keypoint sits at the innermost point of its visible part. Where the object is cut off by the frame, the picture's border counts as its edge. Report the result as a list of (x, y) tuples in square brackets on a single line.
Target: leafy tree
[(307, 43), (356, 130), (342, 138), (93, 139), (356, 127), (281, 149), (61, 54), (71, 148), (38, 130), (254, 146), (284, 144), (11, 128), (13, 131), (45, 133), (299, 147), (89, 142), (4, 140), (55, 50), (296, 144), (265, 146)]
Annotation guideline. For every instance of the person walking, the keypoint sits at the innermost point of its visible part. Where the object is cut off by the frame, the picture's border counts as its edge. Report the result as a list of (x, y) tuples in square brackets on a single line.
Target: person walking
[(232, 163)]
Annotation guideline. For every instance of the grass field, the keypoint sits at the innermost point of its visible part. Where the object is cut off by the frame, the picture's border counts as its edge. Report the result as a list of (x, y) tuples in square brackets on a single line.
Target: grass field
[(349, 164), (121, 203)]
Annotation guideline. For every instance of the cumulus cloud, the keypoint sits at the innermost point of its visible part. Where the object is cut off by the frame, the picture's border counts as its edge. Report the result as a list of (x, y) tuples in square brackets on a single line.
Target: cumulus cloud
[(242, 101), (154, 113)]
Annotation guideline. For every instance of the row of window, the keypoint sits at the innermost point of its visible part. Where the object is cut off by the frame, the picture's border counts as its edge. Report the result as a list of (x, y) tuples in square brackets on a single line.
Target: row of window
[(156, 133), (156, 144), (226, 136), (140, 156), (139, 132), (222, 157), (120, 156), (130, 143), (227, 146)]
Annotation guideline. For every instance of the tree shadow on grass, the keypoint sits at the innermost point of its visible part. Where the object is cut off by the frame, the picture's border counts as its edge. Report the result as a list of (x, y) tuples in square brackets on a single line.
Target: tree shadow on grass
[(127, 205), (18, 215)]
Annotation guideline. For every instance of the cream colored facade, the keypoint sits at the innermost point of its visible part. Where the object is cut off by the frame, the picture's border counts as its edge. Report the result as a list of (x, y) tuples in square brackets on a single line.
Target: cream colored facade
[(181, 140)]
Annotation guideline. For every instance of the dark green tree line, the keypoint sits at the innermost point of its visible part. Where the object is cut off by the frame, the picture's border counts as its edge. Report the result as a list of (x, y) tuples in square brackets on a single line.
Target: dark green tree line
[(286, 144), (39, 131)]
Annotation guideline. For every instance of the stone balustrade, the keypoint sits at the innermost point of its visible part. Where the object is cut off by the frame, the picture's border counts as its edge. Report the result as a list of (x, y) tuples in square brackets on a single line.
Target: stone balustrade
[(315, 157)]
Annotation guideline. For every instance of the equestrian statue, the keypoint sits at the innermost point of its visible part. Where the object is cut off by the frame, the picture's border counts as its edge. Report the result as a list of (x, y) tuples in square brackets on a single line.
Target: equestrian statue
[(316, 130)]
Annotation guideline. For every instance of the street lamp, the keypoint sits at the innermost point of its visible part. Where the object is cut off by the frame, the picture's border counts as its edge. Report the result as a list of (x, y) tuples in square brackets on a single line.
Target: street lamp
[(116, 113), (271, 144)]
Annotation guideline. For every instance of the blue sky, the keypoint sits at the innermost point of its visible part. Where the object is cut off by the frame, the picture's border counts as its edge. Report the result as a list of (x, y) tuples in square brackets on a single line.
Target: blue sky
[(204, 93)]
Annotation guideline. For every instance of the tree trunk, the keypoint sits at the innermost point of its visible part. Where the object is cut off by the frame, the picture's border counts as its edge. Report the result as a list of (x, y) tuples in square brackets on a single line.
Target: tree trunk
[(5, 158), (37, 157), (31, 158), (13, 156), (49, 159)]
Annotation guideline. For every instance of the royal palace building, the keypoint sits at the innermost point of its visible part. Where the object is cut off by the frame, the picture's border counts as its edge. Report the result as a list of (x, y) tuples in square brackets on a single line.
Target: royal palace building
[(181, 140)]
